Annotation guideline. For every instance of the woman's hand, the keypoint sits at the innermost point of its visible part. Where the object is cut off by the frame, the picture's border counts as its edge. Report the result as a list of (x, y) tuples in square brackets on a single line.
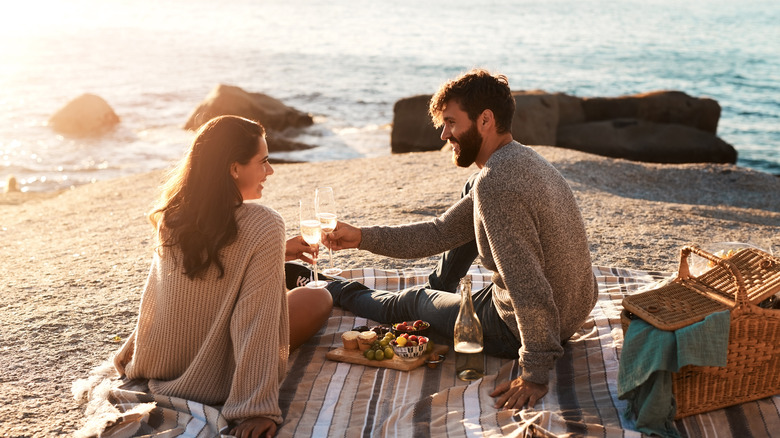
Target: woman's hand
[(518, 393), (255, 427), (343, 237), (297, 249)]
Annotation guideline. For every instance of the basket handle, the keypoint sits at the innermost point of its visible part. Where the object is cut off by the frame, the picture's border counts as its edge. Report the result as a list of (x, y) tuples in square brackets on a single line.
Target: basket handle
[(685, 273)]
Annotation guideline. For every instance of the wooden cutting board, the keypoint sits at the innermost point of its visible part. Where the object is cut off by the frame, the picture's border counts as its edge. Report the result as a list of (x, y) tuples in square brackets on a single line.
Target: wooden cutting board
[(396, 363)]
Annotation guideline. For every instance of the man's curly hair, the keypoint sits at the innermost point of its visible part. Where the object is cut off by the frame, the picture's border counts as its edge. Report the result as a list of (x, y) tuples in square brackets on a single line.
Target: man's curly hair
[(476, 91)]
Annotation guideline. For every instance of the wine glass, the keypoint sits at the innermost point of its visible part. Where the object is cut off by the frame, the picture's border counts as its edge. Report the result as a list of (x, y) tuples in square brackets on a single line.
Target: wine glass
[(326, 212), (311, 232)]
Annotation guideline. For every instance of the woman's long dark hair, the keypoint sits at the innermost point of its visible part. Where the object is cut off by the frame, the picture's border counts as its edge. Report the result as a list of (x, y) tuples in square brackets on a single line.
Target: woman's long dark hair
[(196, 211)]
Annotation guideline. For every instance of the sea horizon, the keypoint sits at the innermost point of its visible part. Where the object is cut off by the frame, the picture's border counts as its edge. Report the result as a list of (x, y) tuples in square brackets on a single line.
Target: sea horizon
[(155, 63)]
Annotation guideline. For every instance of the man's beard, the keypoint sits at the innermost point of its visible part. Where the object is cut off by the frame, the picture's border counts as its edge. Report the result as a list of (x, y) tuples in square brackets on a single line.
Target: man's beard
[(470, 143)]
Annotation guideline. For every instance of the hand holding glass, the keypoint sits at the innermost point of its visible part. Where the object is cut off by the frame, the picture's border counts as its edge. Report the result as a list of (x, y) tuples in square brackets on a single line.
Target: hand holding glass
[(326, 213), (311, 232)]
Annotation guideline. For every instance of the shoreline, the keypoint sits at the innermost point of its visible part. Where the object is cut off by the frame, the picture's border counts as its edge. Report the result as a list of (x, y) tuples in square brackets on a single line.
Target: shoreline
[(16, 197), (74, 262)]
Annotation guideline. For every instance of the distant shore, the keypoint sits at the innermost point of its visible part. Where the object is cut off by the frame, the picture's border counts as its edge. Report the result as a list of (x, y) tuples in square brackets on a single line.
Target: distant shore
[(73, 262)]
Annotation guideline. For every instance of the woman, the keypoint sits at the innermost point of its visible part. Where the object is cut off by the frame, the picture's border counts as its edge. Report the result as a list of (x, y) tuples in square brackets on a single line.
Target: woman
[(214, 325)]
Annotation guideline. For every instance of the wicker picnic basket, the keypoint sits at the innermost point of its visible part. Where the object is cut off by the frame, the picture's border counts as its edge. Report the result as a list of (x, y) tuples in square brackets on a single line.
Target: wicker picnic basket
[(739, 283)]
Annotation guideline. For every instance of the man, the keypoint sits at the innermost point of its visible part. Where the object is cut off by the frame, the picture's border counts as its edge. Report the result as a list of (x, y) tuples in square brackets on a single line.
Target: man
[(528, 230)]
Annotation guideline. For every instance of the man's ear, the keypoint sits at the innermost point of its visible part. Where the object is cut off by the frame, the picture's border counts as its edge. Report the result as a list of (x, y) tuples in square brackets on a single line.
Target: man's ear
[(486, 119)]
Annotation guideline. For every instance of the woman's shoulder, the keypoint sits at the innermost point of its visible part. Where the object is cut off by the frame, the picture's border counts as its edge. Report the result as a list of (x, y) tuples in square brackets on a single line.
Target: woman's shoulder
[(258, 217), (253, 208)]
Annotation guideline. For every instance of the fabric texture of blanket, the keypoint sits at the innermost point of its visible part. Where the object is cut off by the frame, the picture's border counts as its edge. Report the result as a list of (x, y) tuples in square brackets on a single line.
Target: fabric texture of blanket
[(323, 398)]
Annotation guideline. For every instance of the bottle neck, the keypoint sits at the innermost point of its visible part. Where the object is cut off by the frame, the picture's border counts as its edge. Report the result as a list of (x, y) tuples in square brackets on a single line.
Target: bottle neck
[(465, 296)]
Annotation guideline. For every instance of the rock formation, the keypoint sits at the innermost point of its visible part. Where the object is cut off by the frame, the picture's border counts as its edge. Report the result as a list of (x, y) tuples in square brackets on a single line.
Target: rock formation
[(536, 117), (11, 184), (274, 115), (228, 99), (640, 140), (86, 115), (412, 127), (657, 106), (660, 126)]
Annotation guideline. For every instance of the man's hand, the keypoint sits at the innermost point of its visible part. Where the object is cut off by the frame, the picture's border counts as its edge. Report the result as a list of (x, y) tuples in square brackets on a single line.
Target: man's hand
[(255, 427), (297, 248), (343, 237), (518, 393)]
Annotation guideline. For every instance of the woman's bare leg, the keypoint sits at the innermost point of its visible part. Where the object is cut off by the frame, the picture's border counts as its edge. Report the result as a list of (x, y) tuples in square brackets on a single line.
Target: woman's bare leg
[(309, 308)]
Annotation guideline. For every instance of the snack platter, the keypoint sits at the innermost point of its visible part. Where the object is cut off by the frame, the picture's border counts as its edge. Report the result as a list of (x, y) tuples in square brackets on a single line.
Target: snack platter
[(396, 363), (401, 346)]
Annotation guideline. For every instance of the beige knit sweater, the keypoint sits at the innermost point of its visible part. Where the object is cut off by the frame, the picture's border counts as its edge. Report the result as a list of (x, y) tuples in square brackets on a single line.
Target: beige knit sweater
[(217, 340)]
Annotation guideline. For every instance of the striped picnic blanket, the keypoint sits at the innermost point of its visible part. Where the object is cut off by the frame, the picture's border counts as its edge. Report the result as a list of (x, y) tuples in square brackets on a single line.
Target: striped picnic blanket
[(323, 398)]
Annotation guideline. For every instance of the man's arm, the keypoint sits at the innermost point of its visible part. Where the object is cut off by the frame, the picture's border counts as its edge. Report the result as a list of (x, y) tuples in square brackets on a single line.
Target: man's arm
[(344, 236), (516, 250), (518, 393), (421, 239)]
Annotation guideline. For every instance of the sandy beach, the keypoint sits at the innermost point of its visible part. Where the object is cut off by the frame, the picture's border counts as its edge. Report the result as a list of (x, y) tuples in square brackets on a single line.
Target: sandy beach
[(73, 263)]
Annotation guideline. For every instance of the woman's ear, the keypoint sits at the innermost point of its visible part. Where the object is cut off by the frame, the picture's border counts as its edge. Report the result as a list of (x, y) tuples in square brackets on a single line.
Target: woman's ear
[(234, 170)]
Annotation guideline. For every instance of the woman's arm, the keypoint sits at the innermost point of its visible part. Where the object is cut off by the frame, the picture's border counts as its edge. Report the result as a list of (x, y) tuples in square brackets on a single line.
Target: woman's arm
[(259, 329), (125, 354)]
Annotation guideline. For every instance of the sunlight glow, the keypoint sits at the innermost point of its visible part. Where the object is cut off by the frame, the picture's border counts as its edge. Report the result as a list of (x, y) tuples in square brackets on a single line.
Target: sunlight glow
[(42, 16)]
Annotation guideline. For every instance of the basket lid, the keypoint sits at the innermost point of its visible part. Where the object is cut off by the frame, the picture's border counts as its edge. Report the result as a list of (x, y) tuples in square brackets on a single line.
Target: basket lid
[(688, 299), (760, 274), (672, 306)]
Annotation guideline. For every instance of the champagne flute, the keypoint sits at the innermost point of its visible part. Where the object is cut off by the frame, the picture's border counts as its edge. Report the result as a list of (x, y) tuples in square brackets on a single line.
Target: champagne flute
[(311, 232), (326, 213)]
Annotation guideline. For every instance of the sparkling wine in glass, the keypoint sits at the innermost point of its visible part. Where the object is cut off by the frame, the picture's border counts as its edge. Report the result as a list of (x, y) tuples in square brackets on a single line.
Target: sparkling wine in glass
[(311, 232), (326, 213)]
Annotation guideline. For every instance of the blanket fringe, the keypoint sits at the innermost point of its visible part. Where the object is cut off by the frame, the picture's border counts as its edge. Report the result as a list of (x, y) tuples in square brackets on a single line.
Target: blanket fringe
[(94, 392)]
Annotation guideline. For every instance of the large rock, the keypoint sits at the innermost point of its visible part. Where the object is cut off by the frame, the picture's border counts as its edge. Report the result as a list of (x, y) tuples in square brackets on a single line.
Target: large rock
[(277, 143), (536, 117), (535, 122), (413, 130), (86, 115), (657, 106), (570, 110), (640, 140), (229, 100)]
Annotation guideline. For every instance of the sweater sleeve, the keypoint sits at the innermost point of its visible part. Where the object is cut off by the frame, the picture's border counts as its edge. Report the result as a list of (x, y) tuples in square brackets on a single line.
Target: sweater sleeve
[(125, 354), (512, 230), (259, 330), (423, 239)]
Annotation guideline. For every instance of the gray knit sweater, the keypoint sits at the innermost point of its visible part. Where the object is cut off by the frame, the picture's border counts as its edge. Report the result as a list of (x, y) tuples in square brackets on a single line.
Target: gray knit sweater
[(218, 340), (530, 233)]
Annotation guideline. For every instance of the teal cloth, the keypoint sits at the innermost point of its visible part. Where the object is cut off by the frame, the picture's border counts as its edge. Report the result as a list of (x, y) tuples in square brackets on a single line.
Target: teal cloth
[(649, 358)]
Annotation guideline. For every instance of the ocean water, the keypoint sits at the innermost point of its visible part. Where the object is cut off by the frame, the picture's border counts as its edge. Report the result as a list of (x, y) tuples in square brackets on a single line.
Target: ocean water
[(347, 62)]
